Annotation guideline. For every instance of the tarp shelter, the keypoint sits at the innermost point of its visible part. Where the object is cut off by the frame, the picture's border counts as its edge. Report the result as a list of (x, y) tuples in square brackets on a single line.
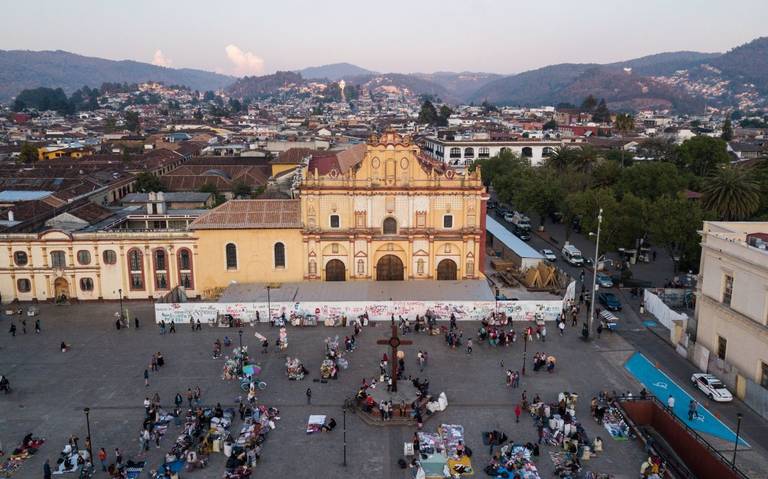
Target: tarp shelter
[(517, 250)]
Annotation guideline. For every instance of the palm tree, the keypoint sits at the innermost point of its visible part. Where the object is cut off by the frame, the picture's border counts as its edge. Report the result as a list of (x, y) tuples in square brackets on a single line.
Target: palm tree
[(585, 159), (624, 124), (561, 158), (731, 193)]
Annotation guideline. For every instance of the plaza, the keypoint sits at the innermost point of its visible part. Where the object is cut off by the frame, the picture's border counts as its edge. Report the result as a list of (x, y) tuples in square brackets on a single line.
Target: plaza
[(103, 371)]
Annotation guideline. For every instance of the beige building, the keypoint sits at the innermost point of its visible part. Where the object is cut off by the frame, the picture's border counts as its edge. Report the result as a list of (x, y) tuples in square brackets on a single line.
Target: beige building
[(96, 265), (732, 305)]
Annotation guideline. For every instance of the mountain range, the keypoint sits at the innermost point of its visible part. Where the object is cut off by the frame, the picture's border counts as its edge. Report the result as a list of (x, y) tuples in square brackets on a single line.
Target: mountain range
[(22, 69), (684, 81)]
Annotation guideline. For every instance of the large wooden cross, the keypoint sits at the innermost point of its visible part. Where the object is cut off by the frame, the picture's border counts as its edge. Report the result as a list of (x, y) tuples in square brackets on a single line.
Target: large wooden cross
[(394, 342)]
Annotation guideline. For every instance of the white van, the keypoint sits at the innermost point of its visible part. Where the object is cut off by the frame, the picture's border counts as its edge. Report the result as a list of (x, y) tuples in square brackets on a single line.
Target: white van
[(572, 255)]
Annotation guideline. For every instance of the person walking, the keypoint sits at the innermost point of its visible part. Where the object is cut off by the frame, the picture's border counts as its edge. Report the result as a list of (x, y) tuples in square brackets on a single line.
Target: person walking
[(692, 410), (199, 326), (162, 327), (173, 327), (198, 395), (543, 334), (146, 378), (118, 458), (47, 469), (518, 411), (102, 454), (671, 402), (136, 322), (24, 326), (190, 397), (561, 327), (178, 400), (37, 326), (469, 346), (12, 329), (309, 396)]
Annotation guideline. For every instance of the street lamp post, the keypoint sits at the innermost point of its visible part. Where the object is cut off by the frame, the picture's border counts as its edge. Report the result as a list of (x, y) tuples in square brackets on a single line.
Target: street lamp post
[(88, 429), (525, 348), (344, 422), (269, 306), (736, 443), (594, 275), (120, 292), (240, 333)]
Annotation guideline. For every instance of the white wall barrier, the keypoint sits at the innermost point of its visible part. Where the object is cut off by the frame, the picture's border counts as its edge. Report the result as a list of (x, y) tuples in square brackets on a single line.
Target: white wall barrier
[(548, 310)]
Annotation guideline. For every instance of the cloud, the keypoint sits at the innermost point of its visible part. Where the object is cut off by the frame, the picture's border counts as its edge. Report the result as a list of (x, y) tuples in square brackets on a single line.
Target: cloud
[(244, 63), (160, 59)]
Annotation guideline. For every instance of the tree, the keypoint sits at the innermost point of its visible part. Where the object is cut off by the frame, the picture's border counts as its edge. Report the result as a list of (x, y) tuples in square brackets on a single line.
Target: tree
[(28, 153), (235, 105), (731, 193), (624, 123), (702, 155), (218, 198), (601, 114), (209, 96), (43, 99), (589, 103), (109, 125), (146, 182), (132, 122), (651, 179), (428, 113), (673, 225), (445, 113), (241, 190), (550, 125), (540, 191), (561, 158), (498, 165), (727, 133)]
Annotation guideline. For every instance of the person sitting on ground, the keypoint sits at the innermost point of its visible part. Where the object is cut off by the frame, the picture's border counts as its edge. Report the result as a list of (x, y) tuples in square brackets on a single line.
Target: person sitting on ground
[(328, 427), (4, 386), (64, 347)]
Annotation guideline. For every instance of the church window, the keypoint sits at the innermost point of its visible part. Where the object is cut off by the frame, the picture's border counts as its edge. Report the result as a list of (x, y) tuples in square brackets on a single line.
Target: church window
[(390, 226)]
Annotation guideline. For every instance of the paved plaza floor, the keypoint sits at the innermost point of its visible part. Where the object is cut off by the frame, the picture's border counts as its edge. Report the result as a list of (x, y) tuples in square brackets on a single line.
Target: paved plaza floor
[(103, 371)]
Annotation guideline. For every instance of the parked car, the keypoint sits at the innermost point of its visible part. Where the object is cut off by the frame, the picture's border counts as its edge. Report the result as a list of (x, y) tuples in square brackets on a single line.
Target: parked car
[(522, 233), (491, 205), (509, 218), (604, 280), (610, 301), (549, 255), (712, 387)]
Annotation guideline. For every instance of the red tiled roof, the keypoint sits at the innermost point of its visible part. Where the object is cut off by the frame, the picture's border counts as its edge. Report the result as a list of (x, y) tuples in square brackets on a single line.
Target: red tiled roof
[(251, 214)]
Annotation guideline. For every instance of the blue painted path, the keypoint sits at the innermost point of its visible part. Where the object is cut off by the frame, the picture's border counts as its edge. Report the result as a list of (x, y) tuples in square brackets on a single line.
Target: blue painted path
[(661, 386)]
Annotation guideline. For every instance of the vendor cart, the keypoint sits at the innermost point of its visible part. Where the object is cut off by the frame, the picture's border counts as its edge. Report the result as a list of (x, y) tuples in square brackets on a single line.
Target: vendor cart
[(611, 320), (294, 369), (328, 369)]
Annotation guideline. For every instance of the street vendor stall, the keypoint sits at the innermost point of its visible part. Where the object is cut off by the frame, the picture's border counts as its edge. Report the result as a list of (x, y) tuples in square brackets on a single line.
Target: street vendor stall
[(294, 369), (514, 460), (303, 320), (442, 455)]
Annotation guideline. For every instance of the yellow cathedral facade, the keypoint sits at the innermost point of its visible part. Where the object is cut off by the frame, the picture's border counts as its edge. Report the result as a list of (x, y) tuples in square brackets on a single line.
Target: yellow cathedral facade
[(377, 211)]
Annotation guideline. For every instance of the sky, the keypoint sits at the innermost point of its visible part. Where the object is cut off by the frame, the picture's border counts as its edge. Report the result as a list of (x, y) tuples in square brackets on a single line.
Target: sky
[(253, 37)]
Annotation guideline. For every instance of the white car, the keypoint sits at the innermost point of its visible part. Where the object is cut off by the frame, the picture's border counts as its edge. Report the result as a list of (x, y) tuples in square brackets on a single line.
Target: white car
[(549, 255), (712, 387)]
